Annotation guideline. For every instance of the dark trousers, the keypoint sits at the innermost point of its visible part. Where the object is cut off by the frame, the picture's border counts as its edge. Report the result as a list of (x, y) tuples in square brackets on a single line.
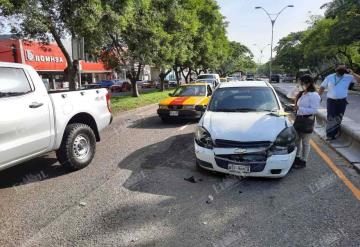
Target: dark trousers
[(335, 112)]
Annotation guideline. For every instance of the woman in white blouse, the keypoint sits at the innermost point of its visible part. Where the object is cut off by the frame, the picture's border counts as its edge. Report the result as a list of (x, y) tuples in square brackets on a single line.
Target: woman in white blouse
[(306, 106)]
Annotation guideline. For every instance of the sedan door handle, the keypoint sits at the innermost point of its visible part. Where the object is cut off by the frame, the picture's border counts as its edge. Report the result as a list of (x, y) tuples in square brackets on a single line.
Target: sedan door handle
[(35, 105)]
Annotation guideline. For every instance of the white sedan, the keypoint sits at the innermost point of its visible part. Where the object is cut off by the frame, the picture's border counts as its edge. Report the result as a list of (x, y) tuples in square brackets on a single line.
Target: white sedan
[(244, 131)]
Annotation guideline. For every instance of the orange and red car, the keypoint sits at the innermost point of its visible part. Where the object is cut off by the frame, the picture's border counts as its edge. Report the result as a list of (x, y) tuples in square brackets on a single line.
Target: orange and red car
[(183, 102)]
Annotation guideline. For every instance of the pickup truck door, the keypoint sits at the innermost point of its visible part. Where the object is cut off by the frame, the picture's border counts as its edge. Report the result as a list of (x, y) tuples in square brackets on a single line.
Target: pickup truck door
[(24, 116)]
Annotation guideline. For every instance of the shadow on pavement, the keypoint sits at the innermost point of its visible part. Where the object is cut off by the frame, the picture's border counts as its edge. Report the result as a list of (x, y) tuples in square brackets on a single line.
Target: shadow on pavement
[(160, 170), (37, 169), (172, 161), (154, 122)]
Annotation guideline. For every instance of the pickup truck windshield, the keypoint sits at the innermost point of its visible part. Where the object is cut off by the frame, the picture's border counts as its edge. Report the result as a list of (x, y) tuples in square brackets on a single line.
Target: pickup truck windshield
[(199, 90), (243, 99), (13, 82)]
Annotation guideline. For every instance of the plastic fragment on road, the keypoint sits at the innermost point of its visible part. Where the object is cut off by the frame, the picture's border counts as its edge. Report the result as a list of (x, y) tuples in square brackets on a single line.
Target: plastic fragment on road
[(190, 179)]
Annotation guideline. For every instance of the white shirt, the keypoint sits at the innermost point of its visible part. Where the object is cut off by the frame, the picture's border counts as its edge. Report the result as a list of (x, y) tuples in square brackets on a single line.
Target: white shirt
[(308, 103), (338, 86)]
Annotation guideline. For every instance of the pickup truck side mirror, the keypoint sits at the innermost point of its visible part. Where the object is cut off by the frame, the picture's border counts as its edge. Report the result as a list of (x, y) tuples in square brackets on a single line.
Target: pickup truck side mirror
[(200, 108)]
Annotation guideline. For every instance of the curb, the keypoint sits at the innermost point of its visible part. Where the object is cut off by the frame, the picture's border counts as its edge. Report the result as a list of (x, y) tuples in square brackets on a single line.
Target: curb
[(348, 143)]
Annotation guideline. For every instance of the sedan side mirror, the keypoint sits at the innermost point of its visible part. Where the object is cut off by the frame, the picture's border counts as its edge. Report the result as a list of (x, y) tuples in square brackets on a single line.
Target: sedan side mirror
[(200, 108), (288, 108)]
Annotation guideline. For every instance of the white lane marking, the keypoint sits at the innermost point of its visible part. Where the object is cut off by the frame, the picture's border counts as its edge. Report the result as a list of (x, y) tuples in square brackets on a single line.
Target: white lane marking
[(183, 127)]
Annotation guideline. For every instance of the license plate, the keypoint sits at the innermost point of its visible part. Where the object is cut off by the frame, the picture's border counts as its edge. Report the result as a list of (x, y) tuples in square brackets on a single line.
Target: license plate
[(174, 113), (238, 168)]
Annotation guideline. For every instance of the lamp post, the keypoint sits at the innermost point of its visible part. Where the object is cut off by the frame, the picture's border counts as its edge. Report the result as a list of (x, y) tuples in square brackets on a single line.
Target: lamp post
[(273, 18), (261, 51)]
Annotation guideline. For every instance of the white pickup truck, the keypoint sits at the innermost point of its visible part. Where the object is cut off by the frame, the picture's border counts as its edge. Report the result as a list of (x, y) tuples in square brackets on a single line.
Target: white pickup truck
[(34, 122)]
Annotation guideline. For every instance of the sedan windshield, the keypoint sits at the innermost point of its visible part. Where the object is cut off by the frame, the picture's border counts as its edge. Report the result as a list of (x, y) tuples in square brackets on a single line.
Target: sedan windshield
[(244, 99), (196, 90)]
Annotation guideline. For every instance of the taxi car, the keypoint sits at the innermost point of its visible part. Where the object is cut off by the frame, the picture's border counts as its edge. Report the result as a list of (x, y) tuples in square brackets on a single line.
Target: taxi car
[(183, 102)]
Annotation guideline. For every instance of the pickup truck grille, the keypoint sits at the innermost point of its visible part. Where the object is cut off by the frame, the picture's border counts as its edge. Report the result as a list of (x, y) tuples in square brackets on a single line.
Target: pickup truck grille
[(219, 143)]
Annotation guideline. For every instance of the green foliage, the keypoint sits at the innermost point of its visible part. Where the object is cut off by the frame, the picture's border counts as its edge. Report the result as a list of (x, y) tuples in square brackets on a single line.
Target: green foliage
[(334, 37), (239, 58)]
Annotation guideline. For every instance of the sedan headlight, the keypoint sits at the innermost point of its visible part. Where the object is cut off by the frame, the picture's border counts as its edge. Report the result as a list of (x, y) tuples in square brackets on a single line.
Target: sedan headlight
[(285, 142), (189, 107), (203, 138), (163, 107)]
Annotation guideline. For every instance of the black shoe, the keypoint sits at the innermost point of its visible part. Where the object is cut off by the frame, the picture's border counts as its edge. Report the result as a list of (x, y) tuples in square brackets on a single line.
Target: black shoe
[(296, 161), (300, 164)]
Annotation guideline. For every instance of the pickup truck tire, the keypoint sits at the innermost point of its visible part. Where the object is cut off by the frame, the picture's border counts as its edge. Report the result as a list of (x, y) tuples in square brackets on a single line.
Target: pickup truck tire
[(77, 148)]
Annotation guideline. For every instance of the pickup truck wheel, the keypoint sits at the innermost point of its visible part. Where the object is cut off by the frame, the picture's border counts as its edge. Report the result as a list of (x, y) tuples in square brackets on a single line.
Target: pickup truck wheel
[(78, 146)]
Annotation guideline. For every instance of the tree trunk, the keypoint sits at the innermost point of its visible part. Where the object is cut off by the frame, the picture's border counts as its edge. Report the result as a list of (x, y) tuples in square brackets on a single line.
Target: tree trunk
[(134, 88), (162, 77), (177, 73), (70, 72), (186, 77)]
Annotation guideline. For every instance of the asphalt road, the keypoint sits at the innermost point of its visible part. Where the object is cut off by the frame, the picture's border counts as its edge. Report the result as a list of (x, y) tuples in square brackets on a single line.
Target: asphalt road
[(134, 194)]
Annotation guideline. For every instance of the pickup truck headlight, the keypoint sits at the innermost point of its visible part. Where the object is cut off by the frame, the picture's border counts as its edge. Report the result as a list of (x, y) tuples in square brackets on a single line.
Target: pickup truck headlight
[(163, 107), (203, 138), (189, 107), (285, 142)]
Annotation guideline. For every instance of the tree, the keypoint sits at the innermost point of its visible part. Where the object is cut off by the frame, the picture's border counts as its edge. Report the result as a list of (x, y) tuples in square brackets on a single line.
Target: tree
[(328, 39), (290, 53), (48, 20), (239, 58)]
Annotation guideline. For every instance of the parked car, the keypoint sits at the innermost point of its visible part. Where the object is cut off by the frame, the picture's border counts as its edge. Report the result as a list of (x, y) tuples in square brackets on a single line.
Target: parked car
[(121, 86), (232, 79), (147, 84), (172, 83), (215, 77), (106, 83), (244, 131), (91, 86), (213, 83), (275, 78), (223, 79), (250, 77), (34, 122), (289, 78), (181, 104)]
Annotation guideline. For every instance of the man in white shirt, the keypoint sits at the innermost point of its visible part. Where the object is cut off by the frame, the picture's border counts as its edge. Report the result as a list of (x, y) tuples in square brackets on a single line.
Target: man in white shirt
[(337, 85)]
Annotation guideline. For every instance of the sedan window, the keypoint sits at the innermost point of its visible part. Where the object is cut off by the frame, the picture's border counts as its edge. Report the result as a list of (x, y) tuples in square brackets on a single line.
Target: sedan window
[(244, 99)]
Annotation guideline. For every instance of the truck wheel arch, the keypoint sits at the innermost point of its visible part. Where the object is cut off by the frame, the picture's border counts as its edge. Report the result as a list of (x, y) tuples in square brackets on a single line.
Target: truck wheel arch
[(87, 119)]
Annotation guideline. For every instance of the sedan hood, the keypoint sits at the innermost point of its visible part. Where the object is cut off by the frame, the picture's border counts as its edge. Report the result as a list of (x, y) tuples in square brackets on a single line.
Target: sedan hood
[(243, 127)]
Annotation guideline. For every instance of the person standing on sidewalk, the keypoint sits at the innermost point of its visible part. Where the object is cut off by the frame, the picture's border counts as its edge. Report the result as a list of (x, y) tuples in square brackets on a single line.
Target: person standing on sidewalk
[(338, 87), (306, 105)]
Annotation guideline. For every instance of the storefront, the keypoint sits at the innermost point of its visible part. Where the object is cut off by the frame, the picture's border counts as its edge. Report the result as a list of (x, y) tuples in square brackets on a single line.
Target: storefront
[(48, 60)]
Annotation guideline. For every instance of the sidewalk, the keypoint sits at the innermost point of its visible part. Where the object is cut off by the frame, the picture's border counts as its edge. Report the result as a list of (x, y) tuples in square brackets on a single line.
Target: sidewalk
[(349, 142), (352, 110)]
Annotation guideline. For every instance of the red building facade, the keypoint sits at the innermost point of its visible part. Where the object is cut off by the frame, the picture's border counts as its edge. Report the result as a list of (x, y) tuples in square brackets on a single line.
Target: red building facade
[(48, 60)]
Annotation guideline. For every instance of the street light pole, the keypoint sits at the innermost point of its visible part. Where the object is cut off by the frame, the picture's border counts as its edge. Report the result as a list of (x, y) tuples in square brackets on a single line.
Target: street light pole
[(261, 51), (273, 18)]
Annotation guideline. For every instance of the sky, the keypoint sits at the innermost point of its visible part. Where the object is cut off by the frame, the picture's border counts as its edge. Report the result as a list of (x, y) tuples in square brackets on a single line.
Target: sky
[(250, 26)]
